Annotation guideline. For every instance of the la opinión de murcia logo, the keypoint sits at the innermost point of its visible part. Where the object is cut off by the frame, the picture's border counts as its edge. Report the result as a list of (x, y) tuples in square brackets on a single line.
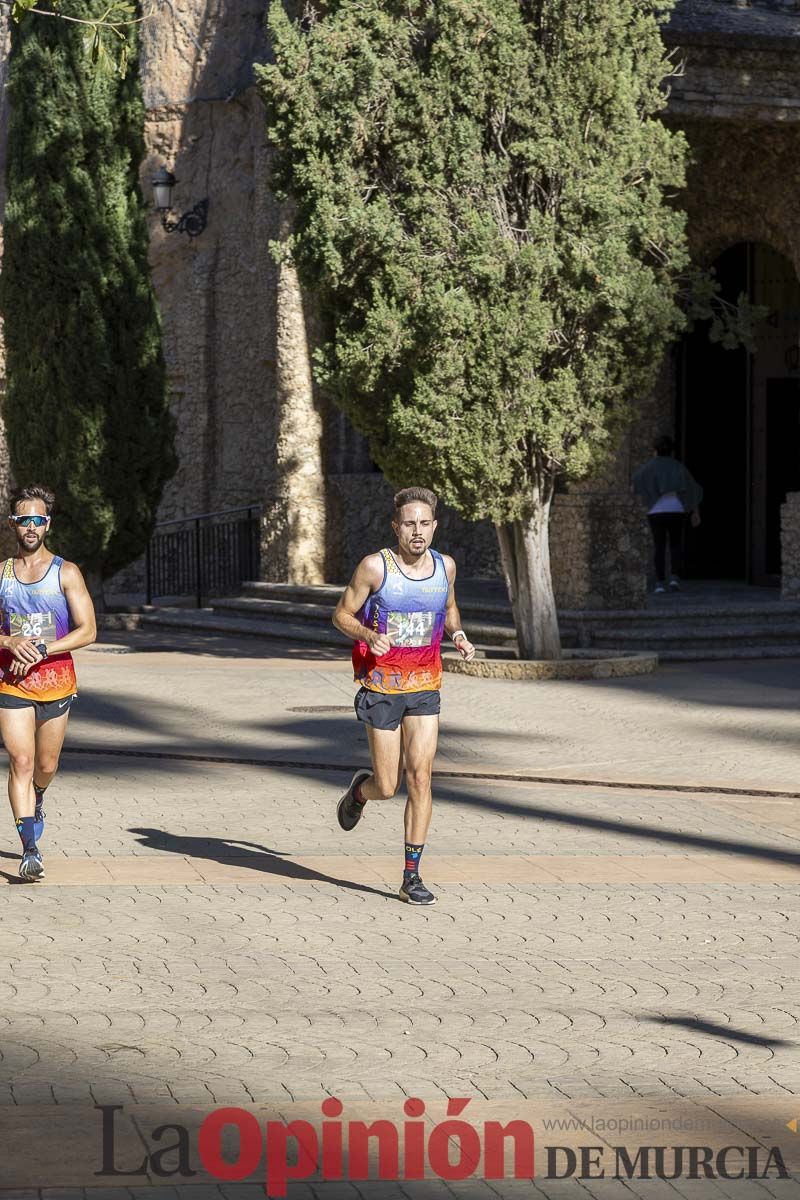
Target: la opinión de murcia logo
[(453, 1149), (409, 1149)]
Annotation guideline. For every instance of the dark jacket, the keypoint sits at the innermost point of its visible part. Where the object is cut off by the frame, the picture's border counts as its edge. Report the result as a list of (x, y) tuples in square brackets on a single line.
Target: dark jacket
[(665, 474)]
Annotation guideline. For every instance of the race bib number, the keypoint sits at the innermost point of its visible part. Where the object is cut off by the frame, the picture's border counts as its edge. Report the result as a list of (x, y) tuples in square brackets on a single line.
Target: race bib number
[(410, 629), (41, 626)]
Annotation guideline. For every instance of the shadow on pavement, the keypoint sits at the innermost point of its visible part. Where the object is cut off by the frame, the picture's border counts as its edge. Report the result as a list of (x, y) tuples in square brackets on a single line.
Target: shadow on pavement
[(729, 683), (223, 850), (635, 829), (727, 1032), (324, 745)]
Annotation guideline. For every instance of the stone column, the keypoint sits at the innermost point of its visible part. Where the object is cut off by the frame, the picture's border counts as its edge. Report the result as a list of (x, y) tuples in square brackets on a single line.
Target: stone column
[(790, 547), (235, 330), (293, 544)]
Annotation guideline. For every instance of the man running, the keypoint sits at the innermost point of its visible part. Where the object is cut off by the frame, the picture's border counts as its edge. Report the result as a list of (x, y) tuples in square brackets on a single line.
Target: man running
[(46, 612), (396, 608)]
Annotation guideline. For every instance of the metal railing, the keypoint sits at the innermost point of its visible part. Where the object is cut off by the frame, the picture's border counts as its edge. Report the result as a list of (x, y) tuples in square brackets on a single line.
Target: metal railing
[(211, 554)]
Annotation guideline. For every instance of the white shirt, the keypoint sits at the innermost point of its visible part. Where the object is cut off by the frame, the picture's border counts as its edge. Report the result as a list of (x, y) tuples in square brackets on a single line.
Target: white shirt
[(668, 503)]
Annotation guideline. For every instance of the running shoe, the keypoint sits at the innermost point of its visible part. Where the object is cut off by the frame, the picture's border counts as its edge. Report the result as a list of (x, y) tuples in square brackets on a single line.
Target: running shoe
[(31, 866), (674, 585), (349, 812), (413, 891), (659, 589), (38, 821)]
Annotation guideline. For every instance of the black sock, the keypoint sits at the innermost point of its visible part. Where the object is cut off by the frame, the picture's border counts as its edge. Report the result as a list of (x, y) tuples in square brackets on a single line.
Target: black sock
[(413, 855), (25, 831), (39, 792)]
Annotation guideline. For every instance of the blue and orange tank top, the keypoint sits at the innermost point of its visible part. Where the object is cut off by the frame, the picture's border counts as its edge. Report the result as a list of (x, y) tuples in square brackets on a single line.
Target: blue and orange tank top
[(412, 613), (38, 610)]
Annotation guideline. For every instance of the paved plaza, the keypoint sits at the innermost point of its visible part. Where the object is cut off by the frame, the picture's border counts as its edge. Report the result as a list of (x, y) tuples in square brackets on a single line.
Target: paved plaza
[(616, 965)]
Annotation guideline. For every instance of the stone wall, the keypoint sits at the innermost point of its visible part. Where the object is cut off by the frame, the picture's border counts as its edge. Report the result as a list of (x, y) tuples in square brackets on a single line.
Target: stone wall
[(236, 333), (599, 547), (237, 330), (360, 515), (737, 61), (216, 292), (598, 543), (790, 547)]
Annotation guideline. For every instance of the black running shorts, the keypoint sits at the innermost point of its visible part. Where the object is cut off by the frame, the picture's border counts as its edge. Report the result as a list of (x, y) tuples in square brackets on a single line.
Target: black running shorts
[(45, 709), (383, 711)]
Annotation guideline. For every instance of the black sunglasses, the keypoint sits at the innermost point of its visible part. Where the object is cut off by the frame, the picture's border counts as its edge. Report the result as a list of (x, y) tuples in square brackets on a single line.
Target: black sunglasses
[(36, 521)]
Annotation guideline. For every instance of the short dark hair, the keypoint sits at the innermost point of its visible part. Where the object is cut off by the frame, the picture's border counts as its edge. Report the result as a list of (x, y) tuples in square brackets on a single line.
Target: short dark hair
[(34, 491), (664, 444), (412, 494)]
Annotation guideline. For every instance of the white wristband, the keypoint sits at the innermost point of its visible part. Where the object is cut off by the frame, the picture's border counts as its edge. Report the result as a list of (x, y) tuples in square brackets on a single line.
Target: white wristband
[(458, 633)]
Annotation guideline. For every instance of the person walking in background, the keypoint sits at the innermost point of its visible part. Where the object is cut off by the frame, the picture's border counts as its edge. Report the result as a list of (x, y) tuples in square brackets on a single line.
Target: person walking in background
[(670, 493)]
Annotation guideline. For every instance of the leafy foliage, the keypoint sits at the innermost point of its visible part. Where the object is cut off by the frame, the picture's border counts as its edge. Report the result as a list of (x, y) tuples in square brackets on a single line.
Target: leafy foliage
[(86, 408), (105, 36), (482, 192)]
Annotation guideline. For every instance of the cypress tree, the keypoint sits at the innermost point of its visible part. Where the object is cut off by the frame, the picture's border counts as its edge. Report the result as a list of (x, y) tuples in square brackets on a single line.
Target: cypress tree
[(86, 408), (483, 206)]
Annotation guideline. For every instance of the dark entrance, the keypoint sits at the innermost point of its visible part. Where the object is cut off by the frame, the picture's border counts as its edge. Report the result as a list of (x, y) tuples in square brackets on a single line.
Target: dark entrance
[(738, 423), (783, 461)]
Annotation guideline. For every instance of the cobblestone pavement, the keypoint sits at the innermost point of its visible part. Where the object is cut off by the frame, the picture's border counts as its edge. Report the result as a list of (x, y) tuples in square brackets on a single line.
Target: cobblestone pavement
[(617, 966)]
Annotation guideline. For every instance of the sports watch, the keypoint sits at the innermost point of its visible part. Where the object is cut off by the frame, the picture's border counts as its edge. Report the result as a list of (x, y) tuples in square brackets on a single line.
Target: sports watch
[(42, 648)]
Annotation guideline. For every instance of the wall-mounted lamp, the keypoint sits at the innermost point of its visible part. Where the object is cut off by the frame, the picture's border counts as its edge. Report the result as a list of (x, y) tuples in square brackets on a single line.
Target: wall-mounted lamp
[(193, 222)]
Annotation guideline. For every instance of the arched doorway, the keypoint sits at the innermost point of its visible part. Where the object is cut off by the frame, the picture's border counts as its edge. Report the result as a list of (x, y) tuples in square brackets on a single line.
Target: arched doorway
[(738, 422)]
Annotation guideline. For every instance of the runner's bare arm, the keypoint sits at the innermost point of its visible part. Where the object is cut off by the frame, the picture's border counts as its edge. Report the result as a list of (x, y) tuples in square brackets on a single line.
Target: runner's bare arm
[(452, 619), (367, 578), (81, 610)]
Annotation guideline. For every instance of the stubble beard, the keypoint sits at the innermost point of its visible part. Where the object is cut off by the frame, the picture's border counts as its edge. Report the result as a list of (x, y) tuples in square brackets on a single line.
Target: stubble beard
[(30, 547)]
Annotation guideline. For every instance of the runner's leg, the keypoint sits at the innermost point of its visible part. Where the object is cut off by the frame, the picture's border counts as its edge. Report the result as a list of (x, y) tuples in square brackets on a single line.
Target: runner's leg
[(49, 740), (420, 735), (386, 751), (18, 731)]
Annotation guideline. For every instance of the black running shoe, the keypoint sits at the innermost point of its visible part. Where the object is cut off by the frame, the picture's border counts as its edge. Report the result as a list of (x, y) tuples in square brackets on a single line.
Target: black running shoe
[(413, 891), (349, 812), (31, 867)]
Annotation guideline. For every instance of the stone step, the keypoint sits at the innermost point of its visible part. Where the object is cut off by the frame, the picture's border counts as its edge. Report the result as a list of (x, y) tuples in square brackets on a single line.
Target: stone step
[(763, 617), (672, 610), (319, 616), (702, 630), (704, 654), (328, 594), (255, 606), (205, 620), (706, 636)]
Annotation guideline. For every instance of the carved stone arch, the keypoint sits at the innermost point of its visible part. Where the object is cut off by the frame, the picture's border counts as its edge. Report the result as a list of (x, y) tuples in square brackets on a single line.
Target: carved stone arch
[(707, 250)]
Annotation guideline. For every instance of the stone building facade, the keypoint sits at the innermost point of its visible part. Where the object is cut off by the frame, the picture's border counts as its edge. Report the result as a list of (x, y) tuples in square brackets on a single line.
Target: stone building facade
[(238, 332)]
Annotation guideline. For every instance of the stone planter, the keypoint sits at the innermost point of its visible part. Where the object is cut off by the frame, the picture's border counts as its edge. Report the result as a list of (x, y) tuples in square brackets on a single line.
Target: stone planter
[(575, 664)]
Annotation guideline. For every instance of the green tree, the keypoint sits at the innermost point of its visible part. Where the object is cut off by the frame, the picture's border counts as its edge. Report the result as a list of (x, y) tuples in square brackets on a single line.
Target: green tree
[(482, 192), (86, 408)]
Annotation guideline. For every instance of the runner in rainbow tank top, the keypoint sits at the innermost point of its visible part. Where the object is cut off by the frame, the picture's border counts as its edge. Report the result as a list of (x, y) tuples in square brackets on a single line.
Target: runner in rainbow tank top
[(45, 612), (396, 608)]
